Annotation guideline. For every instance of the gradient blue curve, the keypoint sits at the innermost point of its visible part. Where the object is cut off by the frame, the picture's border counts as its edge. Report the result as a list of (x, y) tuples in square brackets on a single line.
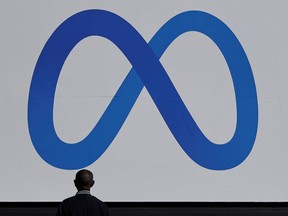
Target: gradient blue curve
[(147, 71)]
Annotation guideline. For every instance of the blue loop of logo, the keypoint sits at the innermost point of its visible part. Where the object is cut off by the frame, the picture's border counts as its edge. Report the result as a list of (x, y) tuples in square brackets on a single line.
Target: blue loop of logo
[(147, 71)]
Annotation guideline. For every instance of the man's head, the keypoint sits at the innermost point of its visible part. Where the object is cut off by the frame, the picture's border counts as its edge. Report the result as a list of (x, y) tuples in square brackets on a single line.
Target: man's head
[(84, 180)]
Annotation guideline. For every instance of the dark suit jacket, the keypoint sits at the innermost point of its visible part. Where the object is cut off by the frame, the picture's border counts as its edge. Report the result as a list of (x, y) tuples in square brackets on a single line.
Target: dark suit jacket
[(82, 205)]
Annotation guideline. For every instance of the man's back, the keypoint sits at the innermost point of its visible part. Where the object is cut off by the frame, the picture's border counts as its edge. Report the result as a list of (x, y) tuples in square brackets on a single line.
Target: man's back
[(82, 205)]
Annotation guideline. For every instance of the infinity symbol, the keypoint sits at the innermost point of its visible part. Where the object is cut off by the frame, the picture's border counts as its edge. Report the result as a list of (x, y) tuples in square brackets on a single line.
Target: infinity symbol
[(147, 71)]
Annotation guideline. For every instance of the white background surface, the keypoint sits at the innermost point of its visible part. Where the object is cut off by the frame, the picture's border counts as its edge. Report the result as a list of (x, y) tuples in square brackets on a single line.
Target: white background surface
[(144, 162)]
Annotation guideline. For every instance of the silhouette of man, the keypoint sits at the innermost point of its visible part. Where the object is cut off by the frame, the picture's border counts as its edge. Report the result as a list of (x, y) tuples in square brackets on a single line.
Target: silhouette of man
[(83, 203)]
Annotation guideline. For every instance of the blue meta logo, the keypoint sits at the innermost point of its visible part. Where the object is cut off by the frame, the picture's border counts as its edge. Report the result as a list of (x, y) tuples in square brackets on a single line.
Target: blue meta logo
[(146, 71)]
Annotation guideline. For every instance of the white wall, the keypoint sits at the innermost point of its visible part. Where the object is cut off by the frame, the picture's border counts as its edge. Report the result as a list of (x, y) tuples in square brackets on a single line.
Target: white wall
[(145, 162)]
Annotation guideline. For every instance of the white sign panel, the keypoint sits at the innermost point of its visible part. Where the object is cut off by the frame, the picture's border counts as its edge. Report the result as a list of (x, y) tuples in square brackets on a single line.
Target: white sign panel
[(161, 100)]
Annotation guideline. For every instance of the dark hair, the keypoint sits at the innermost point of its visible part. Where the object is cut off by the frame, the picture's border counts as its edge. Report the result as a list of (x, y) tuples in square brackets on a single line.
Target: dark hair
[(84, 178)]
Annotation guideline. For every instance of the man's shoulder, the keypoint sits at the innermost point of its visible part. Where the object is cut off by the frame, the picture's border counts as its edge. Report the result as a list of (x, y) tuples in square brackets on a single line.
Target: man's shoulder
[(78, 197), (69, 199), (78, 202)]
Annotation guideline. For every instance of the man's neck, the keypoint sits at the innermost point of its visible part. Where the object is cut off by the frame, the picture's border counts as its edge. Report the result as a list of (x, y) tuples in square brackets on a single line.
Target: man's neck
[(83, 191)]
